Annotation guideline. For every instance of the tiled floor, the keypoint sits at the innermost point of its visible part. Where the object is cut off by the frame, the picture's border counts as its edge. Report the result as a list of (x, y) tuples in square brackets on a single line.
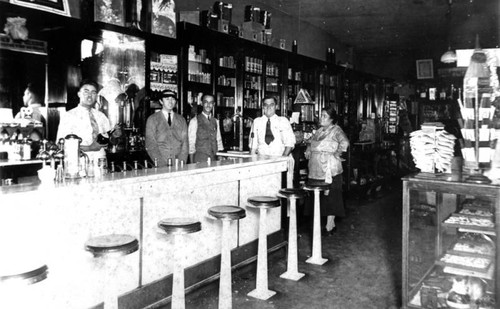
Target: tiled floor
[(363, 271)]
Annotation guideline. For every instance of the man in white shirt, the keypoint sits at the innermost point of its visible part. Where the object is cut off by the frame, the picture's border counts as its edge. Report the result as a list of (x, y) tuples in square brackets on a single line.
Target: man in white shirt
[(271, 134), (204, 133), (84, 120), (32, 97)]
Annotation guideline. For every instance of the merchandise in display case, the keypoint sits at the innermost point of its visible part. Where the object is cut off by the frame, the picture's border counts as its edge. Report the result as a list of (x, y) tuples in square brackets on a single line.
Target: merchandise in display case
[(450, 241)]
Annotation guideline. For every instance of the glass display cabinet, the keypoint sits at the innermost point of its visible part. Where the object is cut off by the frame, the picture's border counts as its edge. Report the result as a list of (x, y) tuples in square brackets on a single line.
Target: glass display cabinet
[(450, 241)]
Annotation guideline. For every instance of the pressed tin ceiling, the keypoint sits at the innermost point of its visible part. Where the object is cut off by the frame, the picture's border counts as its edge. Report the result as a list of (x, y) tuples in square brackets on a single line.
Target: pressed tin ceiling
[(378, 27)]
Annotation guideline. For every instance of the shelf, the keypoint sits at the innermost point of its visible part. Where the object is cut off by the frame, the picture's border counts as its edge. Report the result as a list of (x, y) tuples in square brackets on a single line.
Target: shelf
[(226, 87), (200, 83), (467, 260), (199, 62), (4, 163), (253, 73), (227, 69), (469, 223)]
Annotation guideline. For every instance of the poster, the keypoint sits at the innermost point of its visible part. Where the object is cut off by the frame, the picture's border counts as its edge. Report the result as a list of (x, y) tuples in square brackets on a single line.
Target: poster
[(163, 15)]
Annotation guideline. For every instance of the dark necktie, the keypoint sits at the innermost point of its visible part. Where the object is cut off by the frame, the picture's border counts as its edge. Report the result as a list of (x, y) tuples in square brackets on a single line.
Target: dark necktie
[(169, 120), (269, 134), (208, 117), (93, 124)]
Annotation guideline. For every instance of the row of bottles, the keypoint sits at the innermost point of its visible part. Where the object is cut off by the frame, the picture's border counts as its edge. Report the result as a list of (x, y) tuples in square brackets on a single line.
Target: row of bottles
[(450, 92), (16, 146), (227, 62), (253, 65), (200, 77), (272, 84), (296, 76), (272, 69), (226, 81), (253, 82), (225, 101), (251, 100), (200, 57)]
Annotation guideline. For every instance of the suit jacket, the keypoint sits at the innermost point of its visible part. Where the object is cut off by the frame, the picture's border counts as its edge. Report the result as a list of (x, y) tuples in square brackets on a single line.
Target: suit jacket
[(164, 141)]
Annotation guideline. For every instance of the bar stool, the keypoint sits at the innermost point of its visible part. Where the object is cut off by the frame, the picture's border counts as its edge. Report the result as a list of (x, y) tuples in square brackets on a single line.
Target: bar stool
[(111, 247), (263, 203), (226, 213), (179, 227), (316, 257), (292, 195), (13, 287)]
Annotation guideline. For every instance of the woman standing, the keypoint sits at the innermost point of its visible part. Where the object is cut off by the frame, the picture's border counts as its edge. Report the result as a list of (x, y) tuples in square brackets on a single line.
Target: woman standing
[(325, 165)]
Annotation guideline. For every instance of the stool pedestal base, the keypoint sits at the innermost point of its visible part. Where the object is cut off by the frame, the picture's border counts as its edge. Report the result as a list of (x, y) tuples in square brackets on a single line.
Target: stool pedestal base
[(262, 294), (295, 276), (316, 260), (316, 257), (292, 272), (261, 286), (178, 297)]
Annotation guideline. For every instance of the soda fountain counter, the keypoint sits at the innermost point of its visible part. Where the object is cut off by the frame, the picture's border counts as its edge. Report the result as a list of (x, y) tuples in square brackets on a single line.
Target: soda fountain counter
[(49, 224)]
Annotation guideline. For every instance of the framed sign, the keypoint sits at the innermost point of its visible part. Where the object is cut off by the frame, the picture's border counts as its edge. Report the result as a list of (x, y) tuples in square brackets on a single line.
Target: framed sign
[(53, 6), (425, 69)]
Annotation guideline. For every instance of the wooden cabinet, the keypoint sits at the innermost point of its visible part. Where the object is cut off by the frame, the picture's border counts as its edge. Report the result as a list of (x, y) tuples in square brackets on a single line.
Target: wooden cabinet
[(450, 240)]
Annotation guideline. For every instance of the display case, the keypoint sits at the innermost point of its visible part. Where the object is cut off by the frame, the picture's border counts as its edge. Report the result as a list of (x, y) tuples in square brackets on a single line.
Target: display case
[(450, 250)]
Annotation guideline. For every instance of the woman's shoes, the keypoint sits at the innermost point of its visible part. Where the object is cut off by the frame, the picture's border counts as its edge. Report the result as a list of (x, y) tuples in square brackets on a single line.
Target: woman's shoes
[(326, 233)]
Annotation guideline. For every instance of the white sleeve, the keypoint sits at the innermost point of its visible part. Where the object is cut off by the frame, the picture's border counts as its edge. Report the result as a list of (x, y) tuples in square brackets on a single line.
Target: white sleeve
[(253, 137), (287, 133), (220, 146), (192, 128)]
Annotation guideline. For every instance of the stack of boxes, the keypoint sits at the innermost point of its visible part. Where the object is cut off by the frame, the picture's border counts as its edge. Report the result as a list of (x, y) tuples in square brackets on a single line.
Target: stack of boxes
[(256, 25)]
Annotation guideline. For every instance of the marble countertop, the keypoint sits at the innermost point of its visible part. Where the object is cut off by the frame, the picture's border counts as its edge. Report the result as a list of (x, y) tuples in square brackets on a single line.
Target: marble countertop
[(150, 174)]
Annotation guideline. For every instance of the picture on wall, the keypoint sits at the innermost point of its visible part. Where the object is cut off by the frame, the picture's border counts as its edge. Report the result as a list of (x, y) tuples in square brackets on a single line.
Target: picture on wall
[(425, 69), (109, 11), (163, 18), (54, 6)]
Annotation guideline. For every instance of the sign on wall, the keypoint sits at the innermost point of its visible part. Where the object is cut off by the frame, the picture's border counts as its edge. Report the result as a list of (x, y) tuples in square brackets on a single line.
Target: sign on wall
[(60, 7)]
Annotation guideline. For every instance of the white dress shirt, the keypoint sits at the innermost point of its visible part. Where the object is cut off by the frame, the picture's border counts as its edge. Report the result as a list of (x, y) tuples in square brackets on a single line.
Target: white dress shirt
[(193, 128), (282, 132), (77, 121)]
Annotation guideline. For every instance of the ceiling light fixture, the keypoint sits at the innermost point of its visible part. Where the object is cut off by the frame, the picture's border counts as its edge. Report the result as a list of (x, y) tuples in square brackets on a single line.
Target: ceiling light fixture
[(449, 56)]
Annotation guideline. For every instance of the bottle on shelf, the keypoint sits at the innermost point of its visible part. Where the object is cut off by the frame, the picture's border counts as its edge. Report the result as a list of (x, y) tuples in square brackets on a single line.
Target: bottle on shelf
[(294, 47)]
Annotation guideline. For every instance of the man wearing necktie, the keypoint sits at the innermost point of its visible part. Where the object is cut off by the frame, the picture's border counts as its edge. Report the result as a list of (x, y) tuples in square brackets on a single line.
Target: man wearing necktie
[(166, 132), (271, 134), (204, 133), (84, 120)]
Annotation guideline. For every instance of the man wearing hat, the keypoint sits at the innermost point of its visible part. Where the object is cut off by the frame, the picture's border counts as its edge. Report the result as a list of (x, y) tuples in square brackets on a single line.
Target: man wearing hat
[(167, 132), (204, 133)]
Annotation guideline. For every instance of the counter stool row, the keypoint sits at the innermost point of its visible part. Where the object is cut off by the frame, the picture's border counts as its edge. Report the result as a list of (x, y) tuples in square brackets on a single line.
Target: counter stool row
[(114, 246)]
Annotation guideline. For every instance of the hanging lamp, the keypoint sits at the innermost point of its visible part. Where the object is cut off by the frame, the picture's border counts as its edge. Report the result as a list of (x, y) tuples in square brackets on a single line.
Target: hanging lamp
[(449, 56)]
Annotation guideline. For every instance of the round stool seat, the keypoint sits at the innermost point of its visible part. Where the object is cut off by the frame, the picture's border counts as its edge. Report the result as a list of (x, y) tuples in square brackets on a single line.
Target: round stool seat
[(316, 185), (263, 201), (29, 277), (178, 226), (112, 245), (292, 193), (227, 212)]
